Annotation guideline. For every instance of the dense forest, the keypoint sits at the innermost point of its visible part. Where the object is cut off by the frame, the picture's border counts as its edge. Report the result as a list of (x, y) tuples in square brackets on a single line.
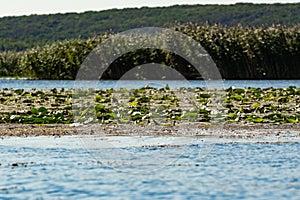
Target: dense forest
[(20, 33)]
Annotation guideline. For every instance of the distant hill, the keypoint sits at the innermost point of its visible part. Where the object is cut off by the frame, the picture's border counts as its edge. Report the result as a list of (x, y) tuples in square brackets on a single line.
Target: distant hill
[(19, 33)]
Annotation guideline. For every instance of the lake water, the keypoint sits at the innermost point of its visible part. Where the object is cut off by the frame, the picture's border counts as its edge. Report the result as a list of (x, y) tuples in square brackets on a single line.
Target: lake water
[(70, 168), (28, 84), (62, 168)]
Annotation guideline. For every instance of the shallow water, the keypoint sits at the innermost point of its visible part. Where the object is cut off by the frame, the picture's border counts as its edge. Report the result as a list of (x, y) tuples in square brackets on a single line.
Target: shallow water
[(65, 168), (43, 84)]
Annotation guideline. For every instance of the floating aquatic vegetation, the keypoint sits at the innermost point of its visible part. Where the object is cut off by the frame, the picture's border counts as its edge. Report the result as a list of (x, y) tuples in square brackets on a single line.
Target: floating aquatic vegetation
[(267, 105), (149, 106)]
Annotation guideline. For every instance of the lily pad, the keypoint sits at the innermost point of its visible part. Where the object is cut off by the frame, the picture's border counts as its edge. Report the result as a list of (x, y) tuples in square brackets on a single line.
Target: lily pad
[(255, 119), (291, 120)]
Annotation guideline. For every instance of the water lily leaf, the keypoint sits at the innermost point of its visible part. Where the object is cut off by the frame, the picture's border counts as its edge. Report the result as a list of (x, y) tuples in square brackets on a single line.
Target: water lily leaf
[(28, 101), (256, 105), (202, 111), (255, 119), (144, 99), (291, 90), (98, 98), (101, 108), (238, 97), (131, 99), (239, 91), (42, 110), (205, 96), (232, 116), (274, 116), (34, 111), (134, 103), (105, 116), (38, 121), (19, 91), (136, 117), (291, 120), (283, 100), (59, 116)]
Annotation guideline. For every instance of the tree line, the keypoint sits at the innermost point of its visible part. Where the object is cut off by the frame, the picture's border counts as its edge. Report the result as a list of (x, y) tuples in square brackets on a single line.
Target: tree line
[(21, 33)]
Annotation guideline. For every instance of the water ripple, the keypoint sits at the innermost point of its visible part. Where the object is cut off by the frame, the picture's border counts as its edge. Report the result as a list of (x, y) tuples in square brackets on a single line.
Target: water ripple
[(229, 171)]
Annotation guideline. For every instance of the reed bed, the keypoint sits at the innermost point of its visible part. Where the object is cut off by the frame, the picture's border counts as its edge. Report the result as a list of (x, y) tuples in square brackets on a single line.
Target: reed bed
[(239, 52)]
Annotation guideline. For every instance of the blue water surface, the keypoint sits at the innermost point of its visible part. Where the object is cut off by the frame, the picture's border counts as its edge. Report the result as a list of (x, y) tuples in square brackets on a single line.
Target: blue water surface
[(29, 84), (228, 171)]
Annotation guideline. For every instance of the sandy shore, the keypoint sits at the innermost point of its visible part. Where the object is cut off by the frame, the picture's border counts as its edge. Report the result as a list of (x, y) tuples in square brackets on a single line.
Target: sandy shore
[(238, 131)]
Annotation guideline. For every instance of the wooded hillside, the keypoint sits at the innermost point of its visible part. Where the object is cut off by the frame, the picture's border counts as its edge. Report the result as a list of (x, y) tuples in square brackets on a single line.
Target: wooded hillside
[(20, 33)]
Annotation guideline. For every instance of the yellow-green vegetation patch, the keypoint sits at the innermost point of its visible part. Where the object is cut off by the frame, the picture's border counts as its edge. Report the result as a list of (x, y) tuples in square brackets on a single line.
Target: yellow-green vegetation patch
[(148, 106), (269, 105), (35, 106)]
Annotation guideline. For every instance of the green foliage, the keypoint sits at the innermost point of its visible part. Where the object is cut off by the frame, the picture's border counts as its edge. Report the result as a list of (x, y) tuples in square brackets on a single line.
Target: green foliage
[(20, 106), (261, 108), (9, 61), (20, 33), (250, 53), (239, 52), (61, 60)]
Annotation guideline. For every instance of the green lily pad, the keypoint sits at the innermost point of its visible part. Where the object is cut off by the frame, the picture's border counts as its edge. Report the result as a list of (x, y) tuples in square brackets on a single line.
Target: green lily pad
[(34, 111), (202, 111), (291, 120), (100, 108), (42, 109), (19, 91), (136, 117), (255, 119), (238, 97), (144, 99), (256, 105), (98, 98), (239, 91), (205, 96), (232, 116), (274, 116), (28, 101)]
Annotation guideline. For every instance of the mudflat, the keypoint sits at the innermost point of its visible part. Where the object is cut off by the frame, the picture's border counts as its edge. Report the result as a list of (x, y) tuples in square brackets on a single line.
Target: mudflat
[(279, 133)]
